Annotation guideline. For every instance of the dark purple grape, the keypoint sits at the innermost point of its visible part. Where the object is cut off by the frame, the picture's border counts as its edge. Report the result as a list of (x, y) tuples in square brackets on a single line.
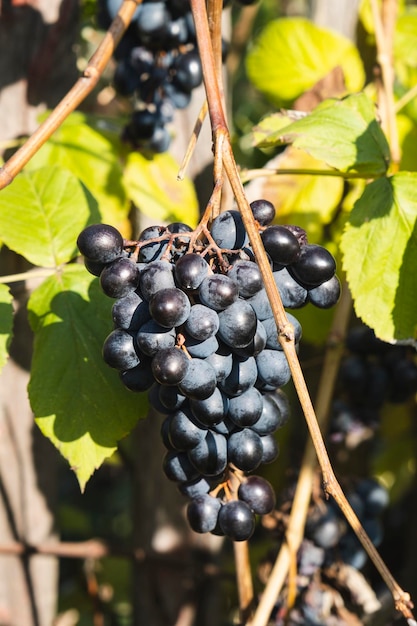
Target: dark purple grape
[(155, 276), (256, 345), (184, 431), (152, 251), (237, 324), (190, 271), (258, 494), (222, 362), (315, 266), (270, 449), (119, 350), (169, 366), (199, 382), (244, 449), (242, 376), (293, 295), (202, 513), (247, 276), (200, 349), (271, 417), (209, 456), (119, 278), (228, 231), (138, 378), (100, 242), (281, 245), (130, 312), (246, 409), (151, 338), (94, 267), (212, 410), (237, 520), (325, 295), (202, 322), (218, 292), (273, 368), (169, 307), (197, 487), (177, 467), (171, 398), (188, 71), (263, 211)]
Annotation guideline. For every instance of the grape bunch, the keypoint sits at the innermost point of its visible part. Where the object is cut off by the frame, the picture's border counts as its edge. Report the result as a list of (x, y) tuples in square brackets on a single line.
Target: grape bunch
[(372, 373), (158, 66), (193, 326), (328, 550)]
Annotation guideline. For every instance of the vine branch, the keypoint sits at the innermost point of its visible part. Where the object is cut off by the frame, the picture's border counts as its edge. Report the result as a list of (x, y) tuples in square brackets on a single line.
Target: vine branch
[(74, 97)]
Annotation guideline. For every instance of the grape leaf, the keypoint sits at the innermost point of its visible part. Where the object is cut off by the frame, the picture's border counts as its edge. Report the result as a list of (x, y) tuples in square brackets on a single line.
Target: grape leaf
[(380, 256), (153, 186), (6, 322), (89, 147), (42, 212), (342, 133), (292, 54), (78, 401)]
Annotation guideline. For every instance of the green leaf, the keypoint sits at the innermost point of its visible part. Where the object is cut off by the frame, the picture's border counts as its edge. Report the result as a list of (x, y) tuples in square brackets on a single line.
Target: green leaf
[(291, 55), (42, 212), (6, 323), (92, 153), (380, 256), (153, 186), (343, 133), (78, 401)]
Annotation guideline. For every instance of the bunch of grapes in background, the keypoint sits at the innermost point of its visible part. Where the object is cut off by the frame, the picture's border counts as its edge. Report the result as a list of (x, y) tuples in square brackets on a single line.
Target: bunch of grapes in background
[(330, 558), (194, 327), (158, 66), (373, 373)]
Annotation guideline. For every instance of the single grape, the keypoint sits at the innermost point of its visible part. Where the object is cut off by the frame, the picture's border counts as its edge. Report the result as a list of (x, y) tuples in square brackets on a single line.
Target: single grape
[(246, 409), (237, 324), (256, 345), (170, 366), (314, 266), (201, 349), (218, 292), (325, 295), (170, 397), (177, 467), (155, 276), (190, 271), (138, 378), (221, 361), (293, 295), (100, 242), (258, 494), (270, 449), (247, 276), (119, 278), (272, 334), (184, 431), (188, 71), (242, 376), (281, 245), (228, 231), (263, 211), (169, 307), (155, 249), (130, 312), (271, 417), (151, 338), (209, 456), (244, 449), (273, 368), (237, 520), (119, 350), (199, 382), (211, 410), (202, 322), (197, 487), (202, 513)]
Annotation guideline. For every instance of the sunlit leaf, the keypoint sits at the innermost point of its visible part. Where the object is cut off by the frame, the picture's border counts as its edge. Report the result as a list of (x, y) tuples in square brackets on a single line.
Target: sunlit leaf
[(153, 186), (292, 54), (6, 322), (42, 212), (380, 256), (78, 401)]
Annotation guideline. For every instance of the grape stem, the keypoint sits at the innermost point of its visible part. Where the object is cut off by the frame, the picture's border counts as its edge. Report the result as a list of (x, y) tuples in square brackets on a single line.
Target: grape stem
[(74, 97), (285, 330)]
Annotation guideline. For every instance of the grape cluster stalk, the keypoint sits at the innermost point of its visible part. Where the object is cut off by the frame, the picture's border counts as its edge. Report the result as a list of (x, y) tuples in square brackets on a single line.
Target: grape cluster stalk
[(193, 326)]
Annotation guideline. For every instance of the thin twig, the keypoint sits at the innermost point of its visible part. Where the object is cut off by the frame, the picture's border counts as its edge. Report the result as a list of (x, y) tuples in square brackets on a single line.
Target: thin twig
[(74, 97)]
